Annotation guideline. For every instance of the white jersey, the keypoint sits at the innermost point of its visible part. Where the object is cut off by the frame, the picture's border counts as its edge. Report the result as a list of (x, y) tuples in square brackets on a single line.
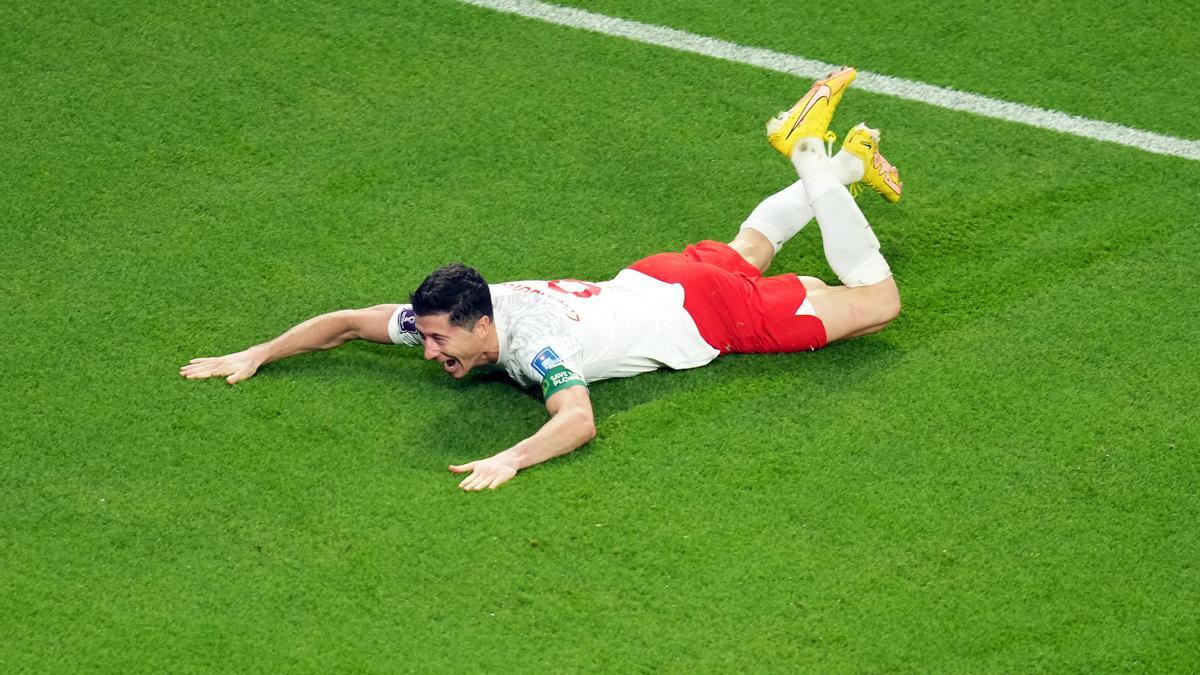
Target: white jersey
[(594, 331)]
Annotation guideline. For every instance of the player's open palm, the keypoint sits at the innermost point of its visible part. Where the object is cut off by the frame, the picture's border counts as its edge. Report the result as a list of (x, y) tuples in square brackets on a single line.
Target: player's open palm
[(486, 473), (234, 367)]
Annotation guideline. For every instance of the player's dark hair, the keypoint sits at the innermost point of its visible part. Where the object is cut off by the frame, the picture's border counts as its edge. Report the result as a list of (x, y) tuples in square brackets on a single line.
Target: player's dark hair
[(457, 290)]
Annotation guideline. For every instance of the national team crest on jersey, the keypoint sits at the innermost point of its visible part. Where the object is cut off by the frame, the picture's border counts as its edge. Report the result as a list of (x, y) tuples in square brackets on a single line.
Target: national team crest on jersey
[(545, 360), (407, 320)]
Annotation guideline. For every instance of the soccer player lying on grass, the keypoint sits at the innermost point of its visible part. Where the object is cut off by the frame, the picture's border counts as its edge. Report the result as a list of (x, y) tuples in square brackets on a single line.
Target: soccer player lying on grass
[(678, 310)]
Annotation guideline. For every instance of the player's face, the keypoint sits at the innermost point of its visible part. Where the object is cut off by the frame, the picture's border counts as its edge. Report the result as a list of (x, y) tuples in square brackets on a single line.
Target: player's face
[(457, 349)]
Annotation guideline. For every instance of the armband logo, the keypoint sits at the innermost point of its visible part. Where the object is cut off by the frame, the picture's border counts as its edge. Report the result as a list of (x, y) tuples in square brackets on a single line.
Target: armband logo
[(407, 320), (559, 378), (545, 360)]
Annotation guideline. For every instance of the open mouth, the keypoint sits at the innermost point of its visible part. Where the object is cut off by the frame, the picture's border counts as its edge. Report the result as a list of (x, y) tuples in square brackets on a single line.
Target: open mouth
[(450, 365)]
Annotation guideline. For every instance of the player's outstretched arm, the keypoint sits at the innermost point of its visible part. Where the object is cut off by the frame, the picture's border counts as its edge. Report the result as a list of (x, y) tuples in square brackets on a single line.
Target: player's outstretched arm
[(321, 332), (571, 424)]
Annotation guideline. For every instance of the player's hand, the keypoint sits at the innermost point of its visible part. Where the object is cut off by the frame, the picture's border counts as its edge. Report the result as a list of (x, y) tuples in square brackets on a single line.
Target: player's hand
[(486, 473), (236, 367)]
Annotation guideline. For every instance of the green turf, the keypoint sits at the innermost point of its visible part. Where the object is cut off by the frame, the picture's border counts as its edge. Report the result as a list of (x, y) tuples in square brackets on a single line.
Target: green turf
[(1005, 480), (1099, 60)]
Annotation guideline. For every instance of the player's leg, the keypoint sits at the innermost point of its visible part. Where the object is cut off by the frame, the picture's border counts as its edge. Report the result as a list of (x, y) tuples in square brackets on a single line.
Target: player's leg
[(804, 312), (813, 283), (775, 220), (790, 314), (781, 216), (869, 298), (854, 311), (840, 304), (754, 247)]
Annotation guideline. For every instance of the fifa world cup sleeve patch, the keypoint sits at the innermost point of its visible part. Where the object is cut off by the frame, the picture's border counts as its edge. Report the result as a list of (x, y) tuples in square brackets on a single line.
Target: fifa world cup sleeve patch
[(544, 360), (406, 320), (554, 373), (559, 378), (403, 327)]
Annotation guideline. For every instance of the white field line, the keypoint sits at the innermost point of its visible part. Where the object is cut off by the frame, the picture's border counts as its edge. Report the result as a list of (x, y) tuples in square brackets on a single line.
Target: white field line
[(873, 82)]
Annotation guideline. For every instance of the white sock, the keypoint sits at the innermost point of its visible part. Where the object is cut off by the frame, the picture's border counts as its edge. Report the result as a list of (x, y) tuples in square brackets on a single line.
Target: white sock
[(850, 246), (847, 167), (809, 157), (810, 152), (780, 216)]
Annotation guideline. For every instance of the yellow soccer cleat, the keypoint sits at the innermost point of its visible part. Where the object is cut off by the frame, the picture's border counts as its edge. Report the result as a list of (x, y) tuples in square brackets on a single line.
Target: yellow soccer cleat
[(880, 174), (811, 115)]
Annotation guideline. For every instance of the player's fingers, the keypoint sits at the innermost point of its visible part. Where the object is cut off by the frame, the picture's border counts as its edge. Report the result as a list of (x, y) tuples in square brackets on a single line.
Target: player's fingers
[(236, 375), (495, 482), (198, 374), (462, 468), (476, 482), (203, 371)]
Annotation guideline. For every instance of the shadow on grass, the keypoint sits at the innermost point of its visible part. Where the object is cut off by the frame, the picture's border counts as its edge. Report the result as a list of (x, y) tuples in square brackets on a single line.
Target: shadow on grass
[(493, 407), (462, 420)]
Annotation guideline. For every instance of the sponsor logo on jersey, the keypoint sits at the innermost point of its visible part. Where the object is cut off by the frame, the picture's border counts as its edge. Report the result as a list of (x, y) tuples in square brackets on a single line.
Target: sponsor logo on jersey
[(545, 360), (407, 320)]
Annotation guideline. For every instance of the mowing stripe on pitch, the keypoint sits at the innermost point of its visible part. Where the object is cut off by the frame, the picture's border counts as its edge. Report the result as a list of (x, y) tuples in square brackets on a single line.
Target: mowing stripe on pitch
[(872, 82)]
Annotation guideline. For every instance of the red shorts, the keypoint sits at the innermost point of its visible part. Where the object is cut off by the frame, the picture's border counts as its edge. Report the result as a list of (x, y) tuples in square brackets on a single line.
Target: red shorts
[(736, 308)]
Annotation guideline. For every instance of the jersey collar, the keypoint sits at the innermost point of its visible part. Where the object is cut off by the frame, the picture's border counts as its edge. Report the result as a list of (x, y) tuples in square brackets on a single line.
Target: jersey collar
[(500, 321)]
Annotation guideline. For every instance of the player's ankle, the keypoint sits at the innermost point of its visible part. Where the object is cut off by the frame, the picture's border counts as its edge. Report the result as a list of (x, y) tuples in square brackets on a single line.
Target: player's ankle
[(847, 167), (809, 158)]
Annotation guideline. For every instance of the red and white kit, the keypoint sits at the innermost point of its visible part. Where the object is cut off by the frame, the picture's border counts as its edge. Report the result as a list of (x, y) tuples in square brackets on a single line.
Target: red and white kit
[(674, 310)]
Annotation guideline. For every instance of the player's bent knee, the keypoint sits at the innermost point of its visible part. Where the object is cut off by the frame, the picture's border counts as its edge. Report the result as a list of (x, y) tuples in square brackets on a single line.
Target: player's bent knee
[(889, 306), (849, 312), (884, 303)]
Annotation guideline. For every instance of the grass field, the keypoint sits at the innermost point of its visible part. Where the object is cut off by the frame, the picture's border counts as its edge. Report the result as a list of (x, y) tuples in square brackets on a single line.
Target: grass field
[(1005, 480)]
